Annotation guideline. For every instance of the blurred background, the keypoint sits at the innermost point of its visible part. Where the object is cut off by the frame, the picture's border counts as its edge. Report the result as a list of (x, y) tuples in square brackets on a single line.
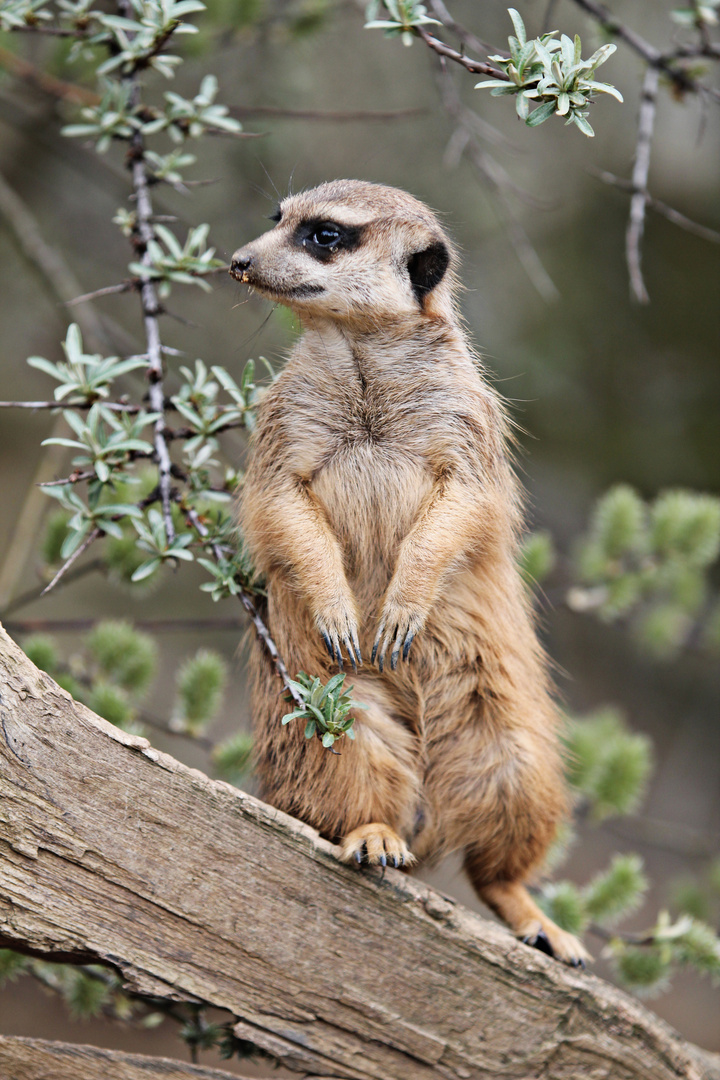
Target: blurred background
[(603, 390)]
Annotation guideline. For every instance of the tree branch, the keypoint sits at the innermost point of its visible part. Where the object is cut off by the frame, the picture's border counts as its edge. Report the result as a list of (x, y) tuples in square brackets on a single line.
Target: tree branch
[(641, 168), (195, 891), (37, 1059)]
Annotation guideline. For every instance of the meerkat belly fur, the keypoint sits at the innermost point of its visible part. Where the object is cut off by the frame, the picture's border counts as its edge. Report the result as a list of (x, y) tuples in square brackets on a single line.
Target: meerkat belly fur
[(381, 507)]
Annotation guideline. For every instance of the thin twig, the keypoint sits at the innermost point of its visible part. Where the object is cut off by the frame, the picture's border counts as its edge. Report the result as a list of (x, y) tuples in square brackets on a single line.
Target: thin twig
[(108, 290), (247, 602), (478, 67), (659, 207), (641, 168), (31, 595), (89, 539)]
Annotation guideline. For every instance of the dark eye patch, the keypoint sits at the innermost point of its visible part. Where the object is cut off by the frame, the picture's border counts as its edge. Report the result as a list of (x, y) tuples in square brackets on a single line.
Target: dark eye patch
[(324, 239)]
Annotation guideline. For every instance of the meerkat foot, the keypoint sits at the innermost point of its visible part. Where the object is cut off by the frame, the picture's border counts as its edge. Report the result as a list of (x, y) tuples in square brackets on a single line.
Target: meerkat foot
[(376, 844), (550, 939), (512, 902)]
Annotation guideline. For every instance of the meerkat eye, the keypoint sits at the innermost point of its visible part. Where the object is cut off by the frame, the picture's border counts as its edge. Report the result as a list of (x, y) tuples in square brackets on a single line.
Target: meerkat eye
[(326, 236), (323, 239)]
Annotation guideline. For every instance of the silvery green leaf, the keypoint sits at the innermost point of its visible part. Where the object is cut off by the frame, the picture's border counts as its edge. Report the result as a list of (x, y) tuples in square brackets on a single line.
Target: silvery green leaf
[(602, 54), (604, 88), (541, 114), (522, 106), (519, 25), (563, 103), (49, 368), (544, 55), (145, 569), (568, 50), (583, 124), (63, 442), (73, 540)]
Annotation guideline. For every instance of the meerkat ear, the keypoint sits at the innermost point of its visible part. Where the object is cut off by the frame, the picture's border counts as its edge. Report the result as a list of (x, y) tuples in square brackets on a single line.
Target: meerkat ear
[(427, 268)]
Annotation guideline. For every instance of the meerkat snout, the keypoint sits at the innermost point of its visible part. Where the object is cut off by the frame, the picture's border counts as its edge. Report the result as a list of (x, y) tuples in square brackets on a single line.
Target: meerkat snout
[(240, 263)]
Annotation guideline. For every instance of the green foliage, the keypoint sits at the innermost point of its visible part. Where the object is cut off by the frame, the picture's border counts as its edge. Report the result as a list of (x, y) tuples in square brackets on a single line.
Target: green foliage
[(56, 530), (648, 968), (112, 703), (325, 708), (174, 263), (153, 537), (563, 902), (84, 378), (123, 654), (537, 557), (40, 649), (649, 563), (232, 758), (642, 969), (12, 965), (608, 764), (551, 72), (404, 17), (616, 892), (200, 686)]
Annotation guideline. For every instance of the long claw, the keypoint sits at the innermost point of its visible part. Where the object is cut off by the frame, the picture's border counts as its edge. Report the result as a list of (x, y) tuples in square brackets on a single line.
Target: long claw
[(394, 659), (376, 643), (356, 646), (408, 643), (358, 857), (328, 644), (349, 649), (381, 661)]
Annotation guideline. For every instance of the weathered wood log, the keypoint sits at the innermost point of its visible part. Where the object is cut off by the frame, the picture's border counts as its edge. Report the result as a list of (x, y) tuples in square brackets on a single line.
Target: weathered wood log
[(38, 1059), (113, 852)]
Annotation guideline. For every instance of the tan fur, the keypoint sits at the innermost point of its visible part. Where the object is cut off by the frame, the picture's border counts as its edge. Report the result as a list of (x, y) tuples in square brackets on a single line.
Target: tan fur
[(380, 500)]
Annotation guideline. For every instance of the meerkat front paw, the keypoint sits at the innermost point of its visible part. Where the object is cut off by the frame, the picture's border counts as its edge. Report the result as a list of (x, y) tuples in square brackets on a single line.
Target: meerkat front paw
[(399, 623), (339, 629), (376, 844)]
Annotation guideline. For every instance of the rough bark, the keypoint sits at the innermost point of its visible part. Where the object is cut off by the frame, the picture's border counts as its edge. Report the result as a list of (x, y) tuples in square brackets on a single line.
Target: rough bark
[(37, 1059), (113, 852)]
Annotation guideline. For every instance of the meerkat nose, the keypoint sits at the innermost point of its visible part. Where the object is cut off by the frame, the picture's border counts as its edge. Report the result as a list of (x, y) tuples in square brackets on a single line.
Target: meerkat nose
[(241, 262)]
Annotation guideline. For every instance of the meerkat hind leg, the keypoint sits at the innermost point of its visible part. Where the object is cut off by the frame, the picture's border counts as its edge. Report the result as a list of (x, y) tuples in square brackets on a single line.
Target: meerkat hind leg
[(512, 902), (376, 844)]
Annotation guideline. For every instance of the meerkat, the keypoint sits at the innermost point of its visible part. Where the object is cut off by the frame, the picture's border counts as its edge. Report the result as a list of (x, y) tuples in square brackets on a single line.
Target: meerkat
[(381, 507)]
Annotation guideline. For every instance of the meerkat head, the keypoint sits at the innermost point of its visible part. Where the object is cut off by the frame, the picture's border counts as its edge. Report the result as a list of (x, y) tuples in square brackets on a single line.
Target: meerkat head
[(353, 252)]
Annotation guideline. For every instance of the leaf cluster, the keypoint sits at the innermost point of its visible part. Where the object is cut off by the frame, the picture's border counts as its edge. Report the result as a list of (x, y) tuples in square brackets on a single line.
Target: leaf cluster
[(551, 72), (404, 17), (326, 708), (607, 764), (649, 563)]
